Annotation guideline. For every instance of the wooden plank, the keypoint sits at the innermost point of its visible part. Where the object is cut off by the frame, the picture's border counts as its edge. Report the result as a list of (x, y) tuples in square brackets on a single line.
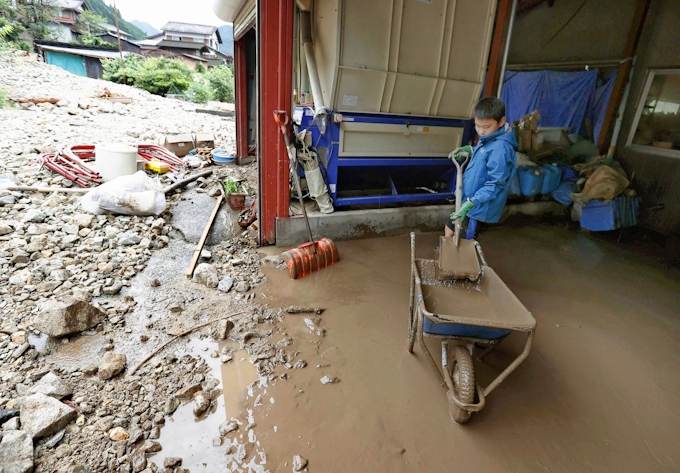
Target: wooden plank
[(204, 237), (622, 74)]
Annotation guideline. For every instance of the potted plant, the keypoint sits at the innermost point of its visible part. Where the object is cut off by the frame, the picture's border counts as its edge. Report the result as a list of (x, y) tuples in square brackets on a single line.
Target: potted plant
[(235, 197)]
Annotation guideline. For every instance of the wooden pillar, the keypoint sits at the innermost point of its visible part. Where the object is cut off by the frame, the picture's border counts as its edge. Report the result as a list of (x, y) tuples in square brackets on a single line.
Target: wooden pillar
[(498, 42), (275, 39), (622, 74), (241, 77)]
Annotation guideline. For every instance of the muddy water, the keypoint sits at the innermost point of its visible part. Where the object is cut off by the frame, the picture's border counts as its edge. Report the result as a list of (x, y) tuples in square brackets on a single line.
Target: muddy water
[(599, 391)]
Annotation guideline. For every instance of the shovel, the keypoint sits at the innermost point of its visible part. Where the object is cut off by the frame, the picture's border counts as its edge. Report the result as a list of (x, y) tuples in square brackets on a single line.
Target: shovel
[(459, 196), (315, 255)]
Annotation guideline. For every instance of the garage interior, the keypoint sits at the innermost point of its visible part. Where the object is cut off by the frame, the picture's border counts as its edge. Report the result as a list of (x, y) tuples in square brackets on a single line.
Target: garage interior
[(597, 392)]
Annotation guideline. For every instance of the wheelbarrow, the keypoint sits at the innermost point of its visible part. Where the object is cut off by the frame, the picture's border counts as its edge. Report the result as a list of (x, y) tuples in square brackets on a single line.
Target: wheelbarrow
[(471, 314)]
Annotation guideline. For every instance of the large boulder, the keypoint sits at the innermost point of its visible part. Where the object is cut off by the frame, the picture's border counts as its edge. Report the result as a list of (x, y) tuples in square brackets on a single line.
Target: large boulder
[(67, 315), (43, 415), (16, 452), (112, 363), (51, 385)]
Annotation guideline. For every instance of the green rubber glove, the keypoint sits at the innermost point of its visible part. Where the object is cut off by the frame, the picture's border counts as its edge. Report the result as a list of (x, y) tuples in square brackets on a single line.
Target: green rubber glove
[(462, 153), (464, 209)]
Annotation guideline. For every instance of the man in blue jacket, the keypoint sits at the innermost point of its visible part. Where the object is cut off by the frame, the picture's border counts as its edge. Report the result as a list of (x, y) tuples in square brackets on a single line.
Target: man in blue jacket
[(488, 175)]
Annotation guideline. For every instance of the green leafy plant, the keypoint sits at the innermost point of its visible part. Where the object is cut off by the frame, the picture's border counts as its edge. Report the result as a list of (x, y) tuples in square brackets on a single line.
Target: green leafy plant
[(3, 101), (221, 80), (36, 17), (90, 23), (199, 91), (200, 68), (156, 75), (231, 186), (94, 41)]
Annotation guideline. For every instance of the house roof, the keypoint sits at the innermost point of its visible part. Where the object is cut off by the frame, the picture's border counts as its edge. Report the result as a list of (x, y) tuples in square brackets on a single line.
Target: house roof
[(100, 54), (114, 31), (189, 28)]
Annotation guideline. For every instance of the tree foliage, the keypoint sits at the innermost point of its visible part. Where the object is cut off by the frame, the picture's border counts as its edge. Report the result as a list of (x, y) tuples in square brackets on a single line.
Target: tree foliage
[(221, 80), (90, 24), (10, 28), (199, 90), (100, 8), (36, 17), (156, 75)]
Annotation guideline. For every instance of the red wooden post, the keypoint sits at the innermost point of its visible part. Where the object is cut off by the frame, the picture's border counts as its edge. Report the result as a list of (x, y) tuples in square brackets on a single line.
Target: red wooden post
[(241, 76), (622, 74), (498, 42), (276, 69)]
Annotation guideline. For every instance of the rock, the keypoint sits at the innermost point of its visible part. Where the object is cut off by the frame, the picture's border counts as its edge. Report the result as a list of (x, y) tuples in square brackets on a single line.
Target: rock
[(138, 461), (55, 439), (218, 441), (113, 289), (223, 328), (272, 259), (67, 315), (172, 462), (205, 273), (226, 358), (83, 220), (7, 414), (111, 364), (171, 405), (118, 433), (300, 364), (34, 216), (242, 286), (225, 284), (51, 385), (12, 424), (105, 423), (226, 427), (127, 239), (6, 200), (71, 229), (43, 415), (20, 350), (299, 463), (189, 391), (151, 447), (63, 451), (205, 254), (16, 452), (201, 403), (327, 380)]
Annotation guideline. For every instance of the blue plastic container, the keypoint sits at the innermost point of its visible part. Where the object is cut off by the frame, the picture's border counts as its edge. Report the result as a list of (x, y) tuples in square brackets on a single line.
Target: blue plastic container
[(222, 156), (551, 178), (530, 180), (606, 216), (515, 189)]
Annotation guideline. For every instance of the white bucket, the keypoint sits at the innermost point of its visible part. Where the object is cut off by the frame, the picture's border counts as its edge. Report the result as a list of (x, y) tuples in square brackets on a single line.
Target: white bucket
[(113, 160)]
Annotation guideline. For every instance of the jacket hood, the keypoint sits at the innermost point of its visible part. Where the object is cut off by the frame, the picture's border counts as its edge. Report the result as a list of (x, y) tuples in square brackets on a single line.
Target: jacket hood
[(505, 133)]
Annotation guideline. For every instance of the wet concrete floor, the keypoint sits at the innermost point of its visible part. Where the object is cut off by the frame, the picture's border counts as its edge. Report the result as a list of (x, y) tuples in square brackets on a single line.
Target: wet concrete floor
[(600, 390)]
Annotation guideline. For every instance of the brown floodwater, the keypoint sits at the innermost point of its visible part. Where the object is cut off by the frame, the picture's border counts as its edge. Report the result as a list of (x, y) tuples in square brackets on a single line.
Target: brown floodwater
[(600, 390)]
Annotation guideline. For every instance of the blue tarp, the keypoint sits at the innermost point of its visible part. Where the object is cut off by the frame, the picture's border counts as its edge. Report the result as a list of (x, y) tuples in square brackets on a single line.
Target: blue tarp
[(70, 62), (564, 99)]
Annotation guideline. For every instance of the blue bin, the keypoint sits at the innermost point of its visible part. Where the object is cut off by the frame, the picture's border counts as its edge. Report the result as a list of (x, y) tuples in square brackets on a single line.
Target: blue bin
[(551, 178), (515, 189), (530, 180), (606, 216)]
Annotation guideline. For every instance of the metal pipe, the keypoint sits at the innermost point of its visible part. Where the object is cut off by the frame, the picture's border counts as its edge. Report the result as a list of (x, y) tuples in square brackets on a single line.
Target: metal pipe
[(622, 109), (513, 365), (565, 64), (313, 72), (507, 46)]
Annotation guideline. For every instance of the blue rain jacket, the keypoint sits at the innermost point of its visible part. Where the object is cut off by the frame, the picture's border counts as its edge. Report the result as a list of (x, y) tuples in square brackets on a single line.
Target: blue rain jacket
[(487, 178)]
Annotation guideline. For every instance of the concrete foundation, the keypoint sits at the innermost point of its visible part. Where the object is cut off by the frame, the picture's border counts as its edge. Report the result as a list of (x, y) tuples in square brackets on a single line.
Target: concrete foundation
[(374, 223)]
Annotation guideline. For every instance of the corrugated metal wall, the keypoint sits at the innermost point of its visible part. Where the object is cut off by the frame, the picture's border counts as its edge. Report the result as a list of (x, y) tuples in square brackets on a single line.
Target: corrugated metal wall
[(656, 178)]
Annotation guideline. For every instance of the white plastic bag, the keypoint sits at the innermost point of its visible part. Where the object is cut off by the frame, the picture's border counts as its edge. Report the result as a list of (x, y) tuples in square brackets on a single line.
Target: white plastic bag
[(136, 194), (318, 190)]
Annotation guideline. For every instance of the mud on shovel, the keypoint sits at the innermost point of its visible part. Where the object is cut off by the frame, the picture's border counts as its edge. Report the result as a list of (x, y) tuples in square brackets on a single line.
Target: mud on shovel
[(315, 255), (459, 195)]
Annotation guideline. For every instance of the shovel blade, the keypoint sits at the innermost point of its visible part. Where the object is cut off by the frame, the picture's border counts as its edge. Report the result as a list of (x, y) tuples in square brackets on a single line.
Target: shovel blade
[(301, 260)]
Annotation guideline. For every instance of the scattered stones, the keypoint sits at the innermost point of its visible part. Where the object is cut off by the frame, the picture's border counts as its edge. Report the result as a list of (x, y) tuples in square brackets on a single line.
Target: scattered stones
[(55, 439), (172, 462), (226, 427), (111, 364), (12, 424), (43, 415), (151, 447), (19, 337), (206, 274), (66, 316), (171, 405), (327, 380), (138, 461), (242, 286), (189, 391), (223, 328), (16, 452), (7, 414)]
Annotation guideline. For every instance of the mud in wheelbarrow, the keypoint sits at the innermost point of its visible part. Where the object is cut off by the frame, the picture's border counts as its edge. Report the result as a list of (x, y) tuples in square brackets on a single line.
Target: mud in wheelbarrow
[(481, 313)]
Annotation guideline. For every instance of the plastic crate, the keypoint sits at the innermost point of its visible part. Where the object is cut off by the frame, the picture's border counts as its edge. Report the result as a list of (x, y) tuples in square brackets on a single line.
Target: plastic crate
[(606, 216), (551, 178), (530, 180)]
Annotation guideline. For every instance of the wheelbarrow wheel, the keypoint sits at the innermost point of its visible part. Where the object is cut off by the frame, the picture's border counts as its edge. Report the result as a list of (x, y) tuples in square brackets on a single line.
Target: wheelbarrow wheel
[(463, 376)]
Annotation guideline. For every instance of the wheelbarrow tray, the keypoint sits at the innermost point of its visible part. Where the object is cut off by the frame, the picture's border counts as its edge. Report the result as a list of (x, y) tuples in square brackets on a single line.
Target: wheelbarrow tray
[(483, 310)]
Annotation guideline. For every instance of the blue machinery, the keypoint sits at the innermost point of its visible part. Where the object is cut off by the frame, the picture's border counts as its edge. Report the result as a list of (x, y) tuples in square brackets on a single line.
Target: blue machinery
[(374, 159)]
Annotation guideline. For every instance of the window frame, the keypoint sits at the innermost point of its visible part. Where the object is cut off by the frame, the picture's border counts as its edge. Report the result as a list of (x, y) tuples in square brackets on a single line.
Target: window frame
[(669, 153)]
